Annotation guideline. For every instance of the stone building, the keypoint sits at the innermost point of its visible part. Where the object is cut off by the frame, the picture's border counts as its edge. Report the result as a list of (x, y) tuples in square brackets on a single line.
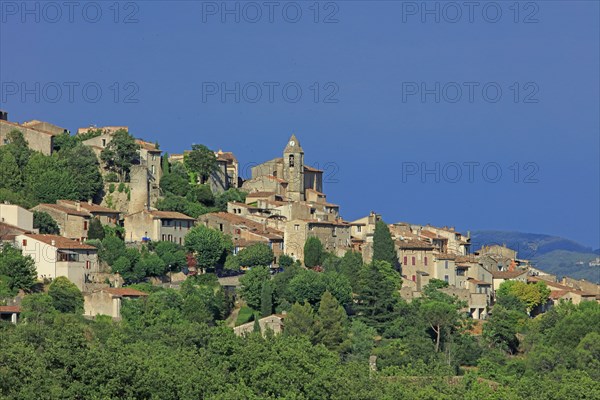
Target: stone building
[(56, 256), (39, 135), (17, 216), (245, 232), (157, 225), (334, 235), (73, 222), (108, 301), (107, 216), (286, 176)]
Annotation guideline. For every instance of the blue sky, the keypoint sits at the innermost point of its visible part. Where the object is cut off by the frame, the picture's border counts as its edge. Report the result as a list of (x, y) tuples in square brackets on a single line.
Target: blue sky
[(387, 93)]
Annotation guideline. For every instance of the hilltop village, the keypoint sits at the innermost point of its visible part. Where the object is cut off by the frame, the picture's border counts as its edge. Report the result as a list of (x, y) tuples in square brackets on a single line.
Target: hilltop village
[(127, 272), (147, 197)]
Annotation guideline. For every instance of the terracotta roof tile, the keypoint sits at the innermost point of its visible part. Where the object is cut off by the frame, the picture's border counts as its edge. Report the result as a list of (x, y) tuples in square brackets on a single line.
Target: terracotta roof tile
[(93, 208), (413, 244), (60, 242), (507, 274), (10, 309), (65, 209)]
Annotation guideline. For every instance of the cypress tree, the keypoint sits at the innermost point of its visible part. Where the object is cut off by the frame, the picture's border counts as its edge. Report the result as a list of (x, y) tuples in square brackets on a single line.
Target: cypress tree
[(383, 245), (332, 324), (313, 252), (266, 299)]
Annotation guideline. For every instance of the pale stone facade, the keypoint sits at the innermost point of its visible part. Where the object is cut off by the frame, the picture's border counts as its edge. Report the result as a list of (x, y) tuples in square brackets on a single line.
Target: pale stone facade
[(108, 301), (73, 223), (335, 236), (56, 256), (17, 216), (157, 226), (37, 139)]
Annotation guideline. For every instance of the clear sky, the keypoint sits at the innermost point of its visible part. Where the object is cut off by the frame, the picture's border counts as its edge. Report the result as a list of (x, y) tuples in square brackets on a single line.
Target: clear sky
[(413, 109)]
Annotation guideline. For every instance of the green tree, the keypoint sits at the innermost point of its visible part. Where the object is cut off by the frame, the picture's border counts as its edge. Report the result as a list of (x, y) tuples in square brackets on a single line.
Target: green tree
[(313, 252), (172, 254), (10, 173), (362, 340), (120, 153), (331, 327), (164, 164), (81, 162), (209, 246), (258, 254), (112, 249), (440, 316), (202, 161), (377, 295), (18, 147), (285, 261), (231, 194), (45, 223), (500, 331), (350, 266), (150, 264), (532, 295), (201, 194), (175, 183), (96, 231), (19, 270), (300, 321), (38, 308), (66, 297), (251, 285), (383, 245), (266, 299)]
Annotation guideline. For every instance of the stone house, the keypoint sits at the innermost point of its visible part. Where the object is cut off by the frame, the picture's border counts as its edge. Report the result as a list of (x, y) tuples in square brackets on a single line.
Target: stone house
[(56, 256), (416, 259), (231, 167), (17, 216), (273, 323), (108, 301), (244, 231), (10, 313), (107, 216), (37, 138), (334, 235), (73, 222), (499, 277), (157, 225)]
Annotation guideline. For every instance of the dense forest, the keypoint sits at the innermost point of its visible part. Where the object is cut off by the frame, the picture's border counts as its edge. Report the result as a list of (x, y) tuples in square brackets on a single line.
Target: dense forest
[(174, 344)]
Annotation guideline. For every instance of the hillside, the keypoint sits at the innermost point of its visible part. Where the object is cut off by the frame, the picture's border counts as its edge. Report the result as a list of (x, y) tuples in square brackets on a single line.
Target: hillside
[(553, 254)]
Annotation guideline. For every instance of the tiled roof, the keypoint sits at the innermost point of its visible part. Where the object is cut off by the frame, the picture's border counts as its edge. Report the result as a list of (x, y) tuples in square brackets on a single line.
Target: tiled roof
[(65, 209), (478, 282), (252, 226), (226, 155), (93, 208), (507, 274), (311, 169), (61, 243), (169, 215), (27, 127), (10, 309), (466, 259), (260, 194), (413, 244), (126, 292), (430, 235), (147, 145)]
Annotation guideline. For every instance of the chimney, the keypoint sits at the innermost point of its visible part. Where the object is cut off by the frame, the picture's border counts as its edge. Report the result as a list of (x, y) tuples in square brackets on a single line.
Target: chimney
[(89, 202), (53, 242), (78, 205)]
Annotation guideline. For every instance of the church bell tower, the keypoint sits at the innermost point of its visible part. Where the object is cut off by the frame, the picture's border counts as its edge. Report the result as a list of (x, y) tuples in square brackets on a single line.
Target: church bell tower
[(293, 169)]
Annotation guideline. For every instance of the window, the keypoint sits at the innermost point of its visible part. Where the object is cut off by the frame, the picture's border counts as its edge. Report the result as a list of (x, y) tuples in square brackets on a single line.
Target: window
[(170, 238), (103, 142), (25, 242), (425, 260), (446, 278), (414, 278), (296, 227), (87, 265), (446, 264), (359, 228), (153, 169), (275, 174), (221, 227), (405, 260), (153, 159), (413, 260), (180, 241), (291, 160), (163, 237), (85, 225)]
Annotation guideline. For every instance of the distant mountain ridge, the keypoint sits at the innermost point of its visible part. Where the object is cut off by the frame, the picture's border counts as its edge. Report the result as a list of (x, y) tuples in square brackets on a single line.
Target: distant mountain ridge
[(553, 254)]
